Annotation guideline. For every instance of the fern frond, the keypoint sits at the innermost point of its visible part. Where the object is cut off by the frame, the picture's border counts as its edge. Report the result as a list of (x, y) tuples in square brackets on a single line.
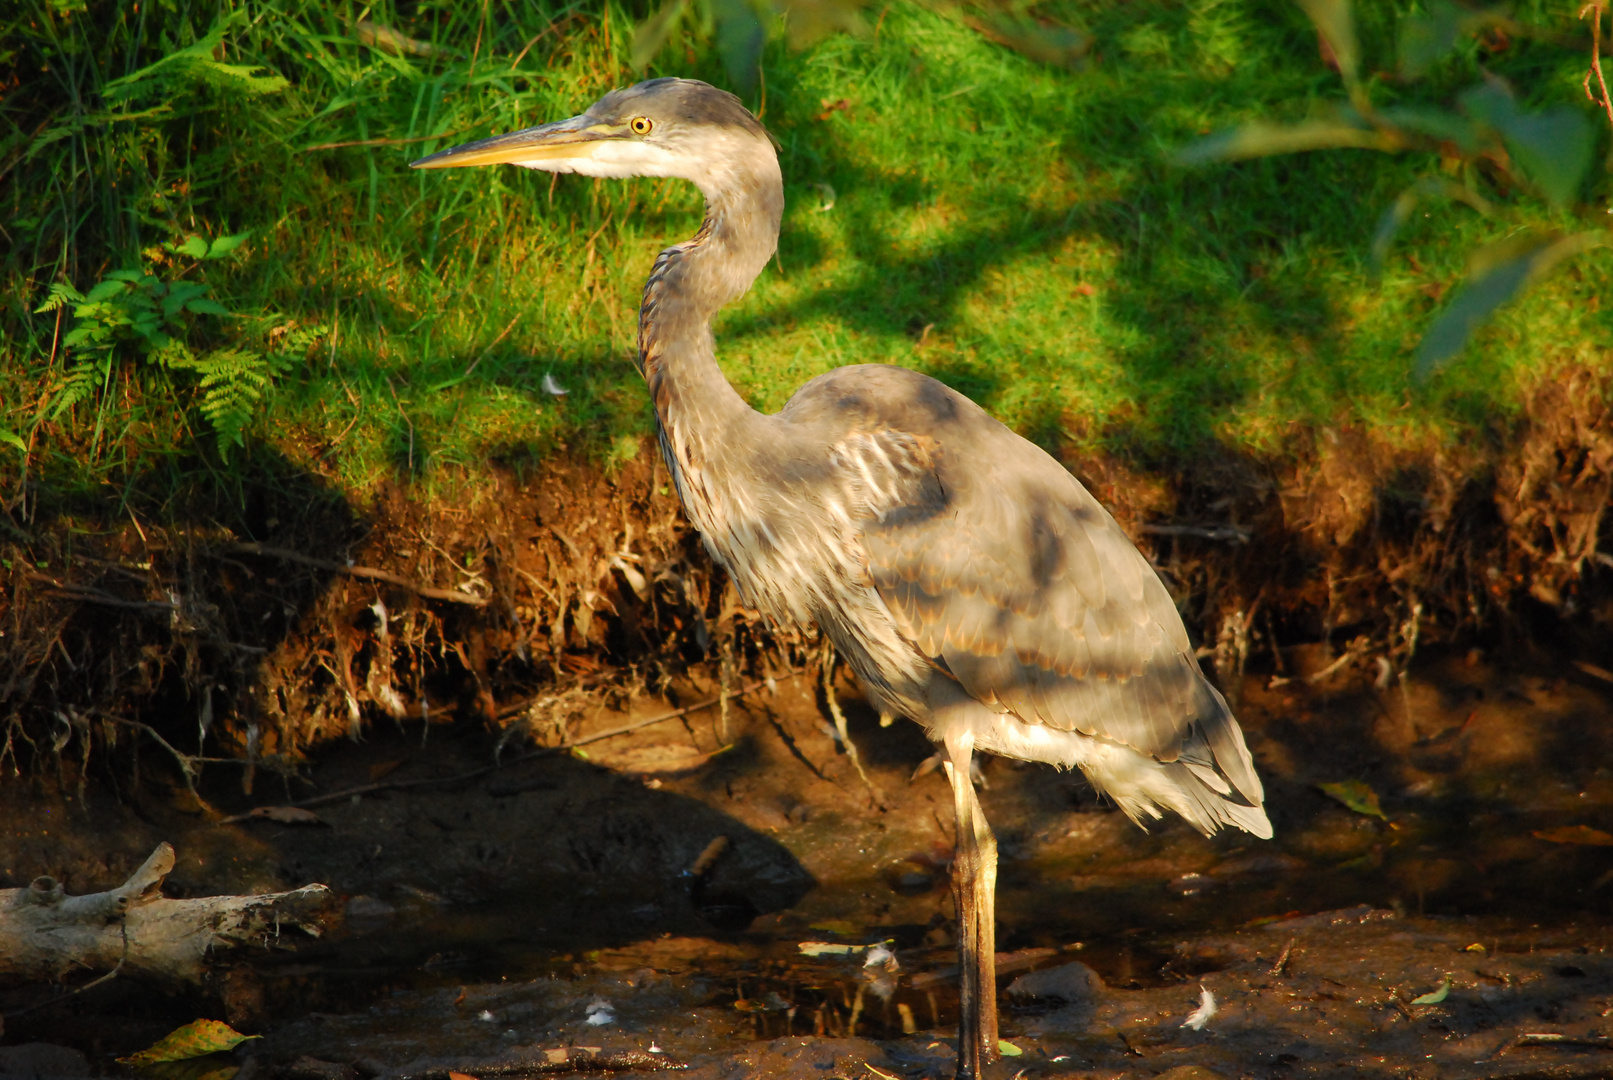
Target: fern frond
[(78, 383), (61, 294), (233, 382)]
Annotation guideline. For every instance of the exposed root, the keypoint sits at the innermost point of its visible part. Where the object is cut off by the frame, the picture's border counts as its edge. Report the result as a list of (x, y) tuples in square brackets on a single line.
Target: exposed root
[(826, 664)]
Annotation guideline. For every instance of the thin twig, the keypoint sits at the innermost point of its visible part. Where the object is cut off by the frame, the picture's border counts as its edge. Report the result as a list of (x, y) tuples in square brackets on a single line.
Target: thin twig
[(187, 762), (488, 351), (96, 596), (1282, 961), (1595, 12), (73, 993), (285, 555)]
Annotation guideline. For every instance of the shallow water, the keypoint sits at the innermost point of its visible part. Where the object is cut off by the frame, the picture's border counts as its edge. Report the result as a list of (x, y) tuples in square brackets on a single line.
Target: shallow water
[(494, 917)]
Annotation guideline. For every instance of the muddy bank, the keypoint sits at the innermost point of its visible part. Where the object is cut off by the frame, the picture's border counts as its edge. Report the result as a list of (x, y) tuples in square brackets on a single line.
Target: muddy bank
[(496, 915), (250, 615)]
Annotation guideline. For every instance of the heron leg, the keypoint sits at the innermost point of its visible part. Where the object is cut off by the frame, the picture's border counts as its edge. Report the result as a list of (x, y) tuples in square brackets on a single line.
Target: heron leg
[(974, 885)]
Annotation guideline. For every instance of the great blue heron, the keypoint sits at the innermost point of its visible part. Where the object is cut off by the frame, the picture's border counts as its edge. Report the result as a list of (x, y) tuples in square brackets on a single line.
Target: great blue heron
[(970, 581)]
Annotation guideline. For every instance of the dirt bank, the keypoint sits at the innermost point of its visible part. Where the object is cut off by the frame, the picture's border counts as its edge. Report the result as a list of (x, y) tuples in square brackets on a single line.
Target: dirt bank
[(251, 615)]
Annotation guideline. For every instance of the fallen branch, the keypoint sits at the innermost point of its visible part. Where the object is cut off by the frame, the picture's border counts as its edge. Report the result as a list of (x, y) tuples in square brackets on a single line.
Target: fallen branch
[(459, 778), (45, 934), (286, 555)]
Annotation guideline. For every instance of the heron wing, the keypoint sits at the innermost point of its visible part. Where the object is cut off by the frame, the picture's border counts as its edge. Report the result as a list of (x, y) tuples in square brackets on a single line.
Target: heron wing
[(1010, 575)]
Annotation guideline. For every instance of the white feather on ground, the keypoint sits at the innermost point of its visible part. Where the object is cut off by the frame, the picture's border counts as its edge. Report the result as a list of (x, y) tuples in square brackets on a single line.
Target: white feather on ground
[(1201, 1015)]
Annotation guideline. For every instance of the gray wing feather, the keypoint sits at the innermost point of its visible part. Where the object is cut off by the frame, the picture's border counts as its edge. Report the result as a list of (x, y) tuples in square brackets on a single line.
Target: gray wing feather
[(1011, 574)]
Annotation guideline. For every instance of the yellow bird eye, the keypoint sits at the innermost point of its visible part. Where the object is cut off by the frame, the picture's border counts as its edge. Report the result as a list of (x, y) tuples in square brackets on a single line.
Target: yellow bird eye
[(641, 125)]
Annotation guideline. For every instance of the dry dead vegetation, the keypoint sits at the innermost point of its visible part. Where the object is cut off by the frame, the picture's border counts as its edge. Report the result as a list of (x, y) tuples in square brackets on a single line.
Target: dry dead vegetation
[(520, 604)]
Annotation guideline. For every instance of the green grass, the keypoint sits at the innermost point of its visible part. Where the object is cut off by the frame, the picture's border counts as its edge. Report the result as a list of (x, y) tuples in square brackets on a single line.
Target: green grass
[(1013, 229)]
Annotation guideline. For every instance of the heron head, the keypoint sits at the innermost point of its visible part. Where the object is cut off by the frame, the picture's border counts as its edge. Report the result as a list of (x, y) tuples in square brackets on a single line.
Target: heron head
[(663, 127)]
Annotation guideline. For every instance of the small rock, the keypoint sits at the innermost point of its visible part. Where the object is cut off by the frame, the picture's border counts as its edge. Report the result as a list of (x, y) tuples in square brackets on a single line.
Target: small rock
[(1070, 983)]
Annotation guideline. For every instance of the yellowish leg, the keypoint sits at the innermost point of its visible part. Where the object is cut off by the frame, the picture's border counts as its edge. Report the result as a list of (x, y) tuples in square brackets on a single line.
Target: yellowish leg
[(974, 886)]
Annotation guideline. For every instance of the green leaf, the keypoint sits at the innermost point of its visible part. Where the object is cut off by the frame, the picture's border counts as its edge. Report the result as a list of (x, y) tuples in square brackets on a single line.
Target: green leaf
[(224, 245), (1335, 21), (1060, 46), (60, 295), (1407, 202), (1435, 124), (207, 306), (106, 290), (11, 438), (1261, 139), (194, 246), (180, 293), (1008, 1049), (1554, 148), (740, 36), (1426, 38), (1434, 997), (193, 1040), (1356, 795), (1496, 274), (653, 33)]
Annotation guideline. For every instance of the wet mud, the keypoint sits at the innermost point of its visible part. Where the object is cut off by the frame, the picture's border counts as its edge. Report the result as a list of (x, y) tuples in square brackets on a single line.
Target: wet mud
[(643, 901)]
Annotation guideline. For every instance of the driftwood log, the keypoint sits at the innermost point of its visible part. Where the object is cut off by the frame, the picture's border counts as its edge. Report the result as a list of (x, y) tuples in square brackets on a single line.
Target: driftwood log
[(135, 930)]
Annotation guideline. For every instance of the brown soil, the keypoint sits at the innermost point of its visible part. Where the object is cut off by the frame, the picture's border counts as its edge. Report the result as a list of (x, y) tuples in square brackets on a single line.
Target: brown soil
[(239, 614)]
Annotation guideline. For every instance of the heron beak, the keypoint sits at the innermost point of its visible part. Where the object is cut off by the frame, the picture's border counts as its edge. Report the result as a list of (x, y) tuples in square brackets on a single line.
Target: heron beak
[(572, 139)]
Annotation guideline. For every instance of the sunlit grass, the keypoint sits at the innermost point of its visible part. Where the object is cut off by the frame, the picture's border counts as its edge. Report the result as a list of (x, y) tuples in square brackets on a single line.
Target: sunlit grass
[(954, 207)]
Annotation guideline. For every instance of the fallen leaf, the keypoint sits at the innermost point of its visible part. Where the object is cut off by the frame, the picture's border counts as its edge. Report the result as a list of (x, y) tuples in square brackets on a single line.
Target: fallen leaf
[(1008, 1049), (195, 1039), (832, 107), (1434, 997), (825, 948), (1356, 795), (460, 1076), (1575, 834), (286, 815), (1086, 289)]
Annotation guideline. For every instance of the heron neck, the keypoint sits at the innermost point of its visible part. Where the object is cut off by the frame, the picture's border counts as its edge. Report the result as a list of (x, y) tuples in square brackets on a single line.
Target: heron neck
[(690, 282)]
